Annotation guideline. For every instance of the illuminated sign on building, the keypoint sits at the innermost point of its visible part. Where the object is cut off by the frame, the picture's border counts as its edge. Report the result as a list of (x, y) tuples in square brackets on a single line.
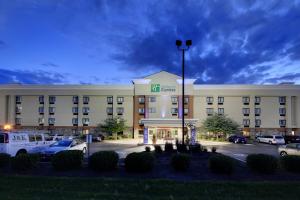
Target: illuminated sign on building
[(163, 88)]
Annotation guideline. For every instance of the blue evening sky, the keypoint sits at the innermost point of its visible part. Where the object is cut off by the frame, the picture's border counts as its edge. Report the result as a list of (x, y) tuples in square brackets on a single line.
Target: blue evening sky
[(114, 41)]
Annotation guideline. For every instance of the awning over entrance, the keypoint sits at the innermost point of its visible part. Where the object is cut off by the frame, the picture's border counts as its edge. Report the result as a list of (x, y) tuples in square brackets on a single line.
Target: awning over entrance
[(163, 122)]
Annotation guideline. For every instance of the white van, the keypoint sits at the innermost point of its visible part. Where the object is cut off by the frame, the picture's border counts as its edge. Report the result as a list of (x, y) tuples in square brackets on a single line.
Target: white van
[(14, 143), (271, 139)]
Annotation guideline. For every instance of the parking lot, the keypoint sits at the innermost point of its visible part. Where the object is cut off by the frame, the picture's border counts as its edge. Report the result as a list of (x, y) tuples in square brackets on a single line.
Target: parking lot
[(237, 151)]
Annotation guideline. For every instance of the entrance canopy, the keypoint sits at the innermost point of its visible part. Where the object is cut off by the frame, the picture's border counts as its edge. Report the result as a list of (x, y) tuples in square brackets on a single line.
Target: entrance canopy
[(164, 122)]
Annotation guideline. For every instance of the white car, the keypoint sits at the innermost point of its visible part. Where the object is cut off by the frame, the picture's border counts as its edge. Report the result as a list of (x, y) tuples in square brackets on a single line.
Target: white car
[(63, 145), (271, 139), (15, 143), (289, 149)]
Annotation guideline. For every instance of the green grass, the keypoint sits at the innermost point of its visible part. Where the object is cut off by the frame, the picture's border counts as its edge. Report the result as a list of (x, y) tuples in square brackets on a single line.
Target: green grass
[(22, 187)]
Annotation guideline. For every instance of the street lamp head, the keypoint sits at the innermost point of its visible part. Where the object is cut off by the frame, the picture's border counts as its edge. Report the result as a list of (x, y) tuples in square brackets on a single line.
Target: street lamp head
[(178, 43), (188, 43)]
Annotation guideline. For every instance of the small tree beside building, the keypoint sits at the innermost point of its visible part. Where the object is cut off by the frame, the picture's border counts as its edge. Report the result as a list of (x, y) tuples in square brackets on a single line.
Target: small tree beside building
[(112, 126), (220, 125)]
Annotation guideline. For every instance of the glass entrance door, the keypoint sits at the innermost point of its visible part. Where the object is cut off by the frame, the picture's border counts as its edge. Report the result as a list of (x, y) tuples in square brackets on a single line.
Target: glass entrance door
[(164, 134)]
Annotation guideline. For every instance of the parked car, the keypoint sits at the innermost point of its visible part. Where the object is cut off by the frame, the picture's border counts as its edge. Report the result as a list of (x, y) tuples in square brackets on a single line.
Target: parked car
[(15, 143), (292, 139), (237, 139), (271, 139), (98, 138), (62, 145), (289, 149)]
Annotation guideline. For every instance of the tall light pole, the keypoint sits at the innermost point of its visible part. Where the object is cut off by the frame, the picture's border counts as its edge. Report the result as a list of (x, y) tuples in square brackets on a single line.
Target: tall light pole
[(181, 48)]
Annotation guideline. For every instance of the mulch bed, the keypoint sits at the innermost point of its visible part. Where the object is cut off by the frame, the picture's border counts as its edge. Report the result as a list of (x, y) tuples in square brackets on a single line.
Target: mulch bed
[(198, 171)]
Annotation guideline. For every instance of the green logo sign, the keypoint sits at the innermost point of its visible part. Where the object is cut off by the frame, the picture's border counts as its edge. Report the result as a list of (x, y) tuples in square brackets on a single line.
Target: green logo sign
[(155, 87)]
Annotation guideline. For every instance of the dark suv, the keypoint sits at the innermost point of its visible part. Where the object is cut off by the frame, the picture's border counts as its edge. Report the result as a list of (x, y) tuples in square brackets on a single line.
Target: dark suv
[(292, 139)]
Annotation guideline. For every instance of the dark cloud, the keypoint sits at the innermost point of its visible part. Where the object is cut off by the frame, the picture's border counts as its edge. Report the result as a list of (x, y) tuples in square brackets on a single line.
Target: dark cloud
[(30, 77)]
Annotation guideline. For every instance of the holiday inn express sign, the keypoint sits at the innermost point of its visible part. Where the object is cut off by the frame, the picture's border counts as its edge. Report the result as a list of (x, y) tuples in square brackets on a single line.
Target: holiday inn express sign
[(162, 88)]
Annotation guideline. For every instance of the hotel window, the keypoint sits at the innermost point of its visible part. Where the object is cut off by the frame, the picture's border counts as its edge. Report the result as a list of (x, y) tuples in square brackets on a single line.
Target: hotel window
[(220, 111), (120, 100), (209, 100), (141, 111), (174, 100), (282, 100), (209, 111), (86, 100), (141, 100), (186, 111), (18, 99), (152, 110), (220, 100), (51, 110), (75, 99), (109, 110), (18, 121), (85, 110), (257, 100), (52, 99), (257, 111), (186, 100), (152, 99), (110, 100), (41, 99), (85, 121), (174, 111), (75, 121), (51, 121), (18, 109), (257, 123), (41, 121), (75, 110), (41, 110), (246, 122), (120, 111), (246, 100), (246, 111), (282, 123), (282, 111)]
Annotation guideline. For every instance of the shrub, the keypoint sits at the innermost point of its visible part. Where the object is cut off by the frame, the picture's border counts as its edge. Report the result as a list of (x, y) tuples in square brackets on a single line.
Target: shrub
[(180, 162), (147, 149), (66, 160), (204, 149), (158, 149), (182, 148), (104, 160), (214, 149), (291, 163), (24, 162), (221, 164), (139, 162), (4, 159), (262, 163), (169, 147), (195, 148)]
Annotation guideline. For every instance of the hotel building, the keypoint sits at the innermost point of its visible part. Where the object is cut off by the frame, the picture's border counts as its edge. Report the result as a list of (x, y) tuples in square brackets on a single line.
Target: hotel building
[(151, 105)]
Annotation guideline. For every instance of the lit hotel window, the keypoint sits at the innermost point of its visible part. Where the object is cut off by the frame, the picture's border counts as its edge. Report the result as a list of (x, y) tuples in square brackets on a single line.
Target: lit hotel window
[(209, 100), (120, 100), (186, 100), (75, 110), (282, 123), (18, 121), (220, 111), (220, 100), (41, 121), (85, 121), (186, 111), (109, 110), (75, 121), (257, 123), (141, 110), (41, 110), (18, 99), (86, 100), (152, 99), (110, 100), (52, 99), (18, 109), (246, 111), (246, 122), (257, 111), (282, 100), (85, 110), (141, 100), (75, 99), (152, 110), (257, 100), (246, 100), (174, 111), (41, 99), (282, 111), (51, 121), (120, 111), (174, 100), (51, 110), (209, 111)]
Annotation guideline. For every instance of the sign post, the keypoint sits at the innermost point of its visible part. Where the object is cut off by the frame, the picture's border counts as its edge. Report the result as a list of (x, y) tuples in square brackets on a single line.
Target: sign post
[(88, 142)]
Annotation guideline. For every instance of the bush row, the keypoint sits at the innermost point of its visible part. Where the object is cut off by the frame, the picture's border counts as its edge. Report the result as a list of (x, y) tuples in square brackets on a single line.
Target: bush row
[(181, 148)]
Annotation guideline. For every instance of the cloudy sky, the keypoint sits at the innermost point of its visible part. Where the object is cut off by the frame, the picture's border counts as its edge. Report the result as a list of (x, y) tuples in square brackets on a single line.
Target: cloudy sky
[(114, 41)]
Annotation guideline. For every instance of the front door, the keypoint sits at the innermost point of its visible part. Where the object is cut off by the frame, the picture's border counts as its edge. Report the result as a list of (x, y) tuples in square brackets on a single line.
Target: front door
[(164, 134)]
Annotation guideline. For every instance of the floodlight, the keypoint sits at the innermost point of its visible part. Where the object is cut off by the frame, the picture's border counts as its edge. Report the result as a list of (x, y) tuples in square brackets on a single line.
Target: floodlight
[(188, 43), (178, 43)]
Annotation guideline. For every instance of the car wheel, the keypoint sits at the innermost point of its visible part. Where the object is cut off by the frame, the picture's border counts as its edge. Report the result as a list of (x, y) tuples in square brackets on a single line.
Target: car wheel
[(22, 151), (283, 153), (84, 150)]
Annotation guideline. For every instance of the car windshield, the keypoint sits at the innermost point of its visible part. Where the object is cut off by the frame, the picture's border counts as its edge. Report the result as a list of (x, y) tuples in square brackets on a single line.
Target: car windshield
[(278, 137), (62, 143)]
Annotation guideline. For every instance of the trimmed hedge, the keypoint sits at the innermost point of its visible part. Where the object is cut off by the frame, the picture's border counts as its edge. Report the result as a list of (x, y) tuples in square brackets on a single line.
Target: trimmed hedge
[(148, 149), (169, 147), (221, 164), (291, 163), (262, 163), (195, 148), (104, 161), (157, 149), (24, 162), (180, 162), (4, 159), (67, 160), (181, 148), (139, 162)]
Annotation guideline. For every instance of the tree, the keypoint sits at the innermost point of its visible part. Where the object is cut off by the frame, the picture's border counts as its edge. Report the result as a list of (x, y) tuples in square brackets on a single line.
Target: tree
[(112, 126), (220, 124)]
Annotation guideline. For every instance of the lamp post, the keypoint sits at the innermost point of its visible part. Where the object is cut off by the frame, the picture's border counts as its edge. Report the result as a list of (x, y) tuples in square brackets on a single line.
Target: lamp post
[(181, 48)]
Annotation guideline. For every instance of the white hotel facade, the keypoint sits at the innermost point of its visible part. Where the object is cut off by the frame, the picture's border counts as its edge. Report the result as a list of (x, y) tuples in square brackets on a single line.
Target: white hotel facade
[(151, 105)]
